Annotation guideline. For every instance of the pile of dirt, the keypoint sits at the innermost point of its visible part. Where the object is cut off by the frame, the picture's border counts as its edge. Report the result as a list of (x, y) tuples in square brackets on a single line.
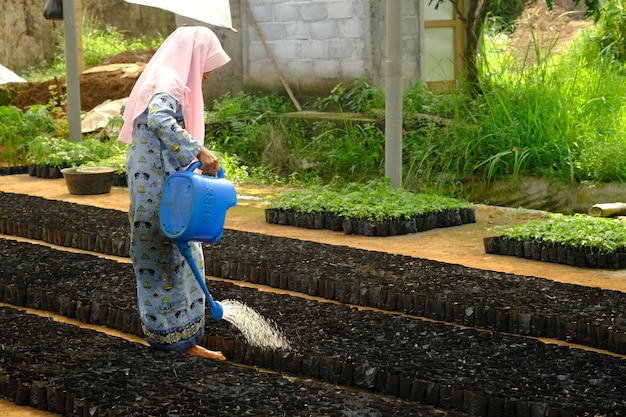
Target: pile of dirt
[(541, 31), (94, 90), (95, 87)]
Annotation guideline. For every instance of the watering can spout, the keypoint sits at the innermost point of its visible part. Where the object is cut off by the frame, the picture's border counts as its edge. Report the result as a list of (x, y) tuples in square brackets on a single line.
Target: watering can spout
[(217, 310)]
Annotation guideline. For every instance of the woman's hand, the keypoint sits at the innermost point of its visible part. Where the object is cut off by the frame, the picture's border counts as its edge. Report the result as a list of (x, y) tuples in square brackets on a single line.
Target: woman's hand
[(210, 164)]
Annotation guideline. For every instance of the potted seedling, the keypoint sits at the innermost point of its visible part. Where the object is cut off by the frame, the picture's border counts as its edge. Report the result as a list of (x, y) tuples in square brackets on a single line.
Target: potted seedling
[(371, 209), (575, 240)]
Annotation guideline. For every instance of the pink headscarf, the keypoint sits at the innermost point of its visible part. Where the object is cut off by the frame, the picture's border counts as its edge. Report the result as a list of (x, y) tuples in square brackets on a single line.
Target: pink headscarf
[(177, 68)]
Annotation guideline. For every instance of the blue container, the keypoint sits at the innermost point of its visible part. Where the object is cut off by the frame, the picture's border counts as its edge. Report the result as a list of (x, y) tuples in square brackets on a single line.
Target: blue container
[(193, 206)]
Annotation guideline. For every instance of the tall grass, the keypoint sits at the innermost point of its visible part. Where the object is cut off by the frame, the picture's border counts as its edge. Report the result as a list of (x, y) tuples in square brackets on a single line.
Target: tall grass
[(256, 129), (557, 116)]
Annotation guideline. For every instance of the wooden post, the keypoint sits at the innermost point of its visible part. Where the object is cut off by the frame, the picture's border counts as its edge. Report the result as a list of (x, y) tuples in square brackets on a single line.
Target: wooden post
[(79, 36)]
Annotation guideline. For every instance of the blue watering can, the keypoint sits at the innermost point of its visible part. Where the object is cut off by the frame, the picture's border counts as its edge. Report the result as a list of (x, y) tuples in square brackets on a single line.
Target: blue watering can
[(193, 209)]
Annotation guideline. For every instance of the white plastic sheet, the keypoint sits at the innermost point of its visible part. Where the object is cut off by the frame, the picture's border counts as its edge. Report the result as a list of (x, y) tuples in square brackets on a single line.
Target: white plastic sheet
[(8, 76), (100, 116), (212, 12)]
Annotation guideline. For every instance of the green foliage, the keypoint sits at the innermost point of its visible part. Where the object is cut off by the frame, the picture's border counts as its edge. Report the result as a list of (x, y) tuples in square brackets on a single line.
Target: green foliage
[(419, 99), (57, 152), (607, 39), (559, 117), (117, 161), (17, 128), (247, 106), (352, 150), (99, 44), (238, 137), (373, 200), (543, 120), (251, 128), (242, 125), (505, 13), (358, 97), (577, 231)]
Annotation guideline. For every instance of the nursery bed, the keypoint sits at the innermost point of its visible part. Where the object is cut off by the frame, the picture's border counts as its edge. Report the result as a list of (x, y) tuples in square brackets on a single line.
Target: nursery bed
[(465, 370), (386, 227), (559, 254), (474, 297), (75, 372)]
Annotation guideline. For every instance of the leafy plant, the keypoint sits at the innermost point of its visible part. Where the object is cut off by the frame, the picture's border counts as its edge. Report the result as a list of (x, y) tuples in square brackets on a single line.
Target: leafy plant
[(57, 105), (358, 97), (233, 170), (246, 106), (116, 161), (58, 152), (372, 200), (17, 128), (610, 31), (577, 231)]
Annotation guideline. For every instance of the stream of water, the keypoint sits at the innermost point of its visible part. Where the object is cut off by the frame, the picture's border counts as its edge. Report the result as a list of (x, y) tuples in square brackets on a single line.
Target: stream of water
[(257, 330)]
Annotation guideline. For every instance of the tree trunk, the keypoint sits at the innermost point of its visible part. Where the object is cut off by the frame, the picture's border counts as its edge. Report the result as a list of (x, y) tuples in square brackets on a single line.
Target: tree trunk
[(473, 14)]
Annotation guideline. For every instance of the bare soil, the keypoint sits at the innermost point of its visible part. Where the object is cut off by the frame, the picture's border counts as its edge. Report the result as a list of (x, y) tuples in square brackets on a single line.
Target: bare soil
[(542, 31), (95, 88)]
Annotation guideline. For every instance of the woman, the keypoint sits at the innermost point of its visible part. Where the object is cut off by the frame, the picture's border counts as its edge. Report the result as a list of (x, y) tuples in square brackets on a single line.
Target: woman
[(164, 126)]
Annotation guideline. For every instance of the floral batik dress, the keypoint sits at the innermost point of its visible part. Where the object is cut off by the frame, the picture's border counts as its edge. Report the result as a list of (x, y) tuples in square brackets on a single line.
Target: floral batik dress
[(170, 301)]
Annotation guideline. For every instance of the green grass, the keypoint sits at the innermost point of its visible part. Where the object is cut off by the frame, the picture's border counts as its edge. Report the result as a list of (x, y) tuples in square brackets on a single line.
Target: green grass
[(562, 113), (556, 116)]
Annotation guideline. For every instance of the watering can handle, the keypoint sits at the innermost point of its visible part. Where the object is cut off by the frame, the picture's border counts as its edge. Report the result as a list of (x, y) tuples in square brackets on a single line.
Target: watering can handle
[(197, 164)]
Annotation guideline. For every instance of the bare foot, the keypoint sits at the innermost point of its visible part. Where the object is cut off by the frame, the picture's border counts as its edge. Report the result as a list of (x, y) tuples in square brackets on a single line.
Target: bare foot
[(205, 353)]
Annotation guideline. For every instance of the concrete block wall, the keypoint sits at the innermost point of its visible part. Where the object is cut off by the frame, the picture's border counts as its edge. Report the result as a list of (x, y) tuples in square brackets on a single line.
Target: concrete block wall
[(318, 44), (412, 44)]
